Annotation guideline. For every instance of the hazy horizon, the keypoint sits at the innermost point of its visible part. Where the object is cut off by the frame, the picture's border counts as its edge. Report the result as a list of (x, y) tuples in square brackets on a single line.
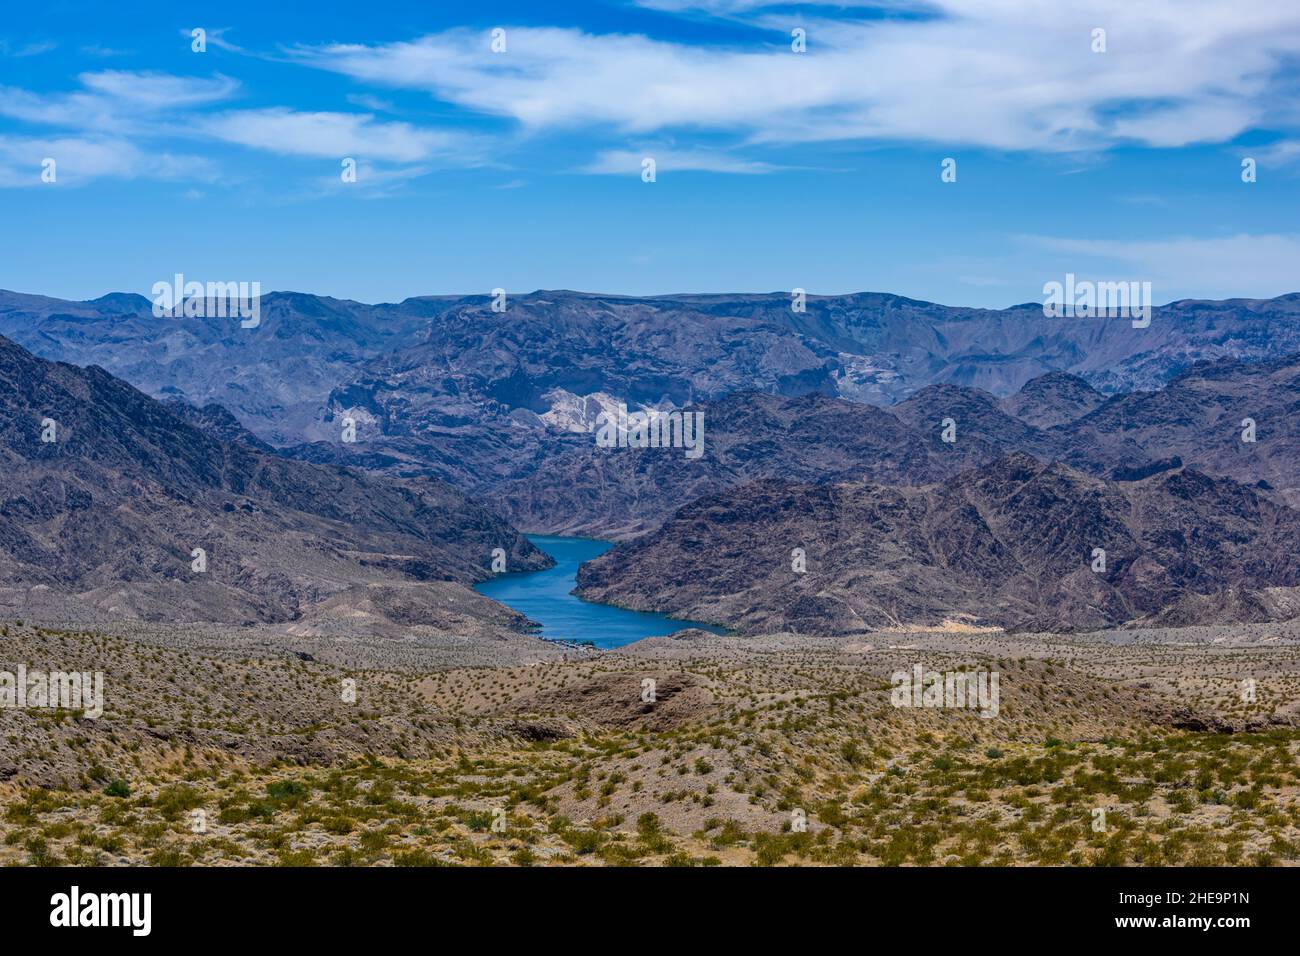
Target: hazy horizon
[(811, 294)]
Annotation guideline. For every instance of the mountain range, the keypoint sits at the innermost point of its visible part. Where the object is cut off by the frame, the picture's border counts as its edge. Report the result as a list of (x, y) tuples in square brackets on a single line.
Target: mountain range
[(448, 386), (470, 423)]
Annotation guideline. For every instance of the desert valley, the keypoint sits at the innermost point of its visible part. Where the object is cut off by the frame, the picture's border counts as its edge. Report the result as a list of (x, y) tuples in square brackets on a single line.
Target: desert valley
[(278, 546)]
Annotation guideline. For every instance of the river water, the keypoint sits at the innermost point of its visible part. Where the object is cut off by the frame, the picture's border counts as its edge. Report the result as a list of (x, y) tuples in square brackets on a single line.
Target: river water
[(544, 596)]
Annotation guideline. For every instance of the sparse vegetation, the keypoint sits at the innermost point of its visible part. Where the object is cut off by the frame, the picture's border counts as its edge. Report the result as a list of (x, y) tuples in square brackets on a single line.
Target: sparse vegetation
[(796, 758)]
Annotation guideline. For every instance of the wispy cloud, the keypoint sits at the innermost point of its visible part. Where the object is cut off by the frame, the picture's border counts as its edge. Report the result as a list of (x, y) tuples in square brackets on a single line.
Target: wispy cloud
[(120, 123), (620, 161), (80, 160), (99, 50), (35, 48), (1010, 75), (158, 91), (373, 180), (1280, 154), (114, 100), (373, 103), (214, 37), (328, 134), (1215, 266), (748, 8), (992, 73)]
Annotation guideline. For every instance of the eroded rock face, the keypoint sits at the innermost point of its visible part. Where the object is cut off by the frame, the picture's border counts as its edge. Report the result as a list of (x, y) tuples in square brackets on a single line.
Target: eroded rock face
[(1208, 721), (620, 700), (1227, 418), (1012, 543)]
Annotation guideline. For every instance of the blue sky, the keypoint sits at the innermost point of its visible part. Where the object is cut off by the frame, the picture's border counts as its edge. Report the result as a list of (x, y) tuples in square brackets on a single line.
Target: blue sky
[(775, 169)]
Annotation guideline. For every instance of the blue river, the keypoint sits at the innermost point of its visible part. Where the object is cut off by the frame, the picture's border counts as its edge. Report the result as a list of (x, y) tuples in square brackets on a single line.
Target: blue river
[(546, 597)]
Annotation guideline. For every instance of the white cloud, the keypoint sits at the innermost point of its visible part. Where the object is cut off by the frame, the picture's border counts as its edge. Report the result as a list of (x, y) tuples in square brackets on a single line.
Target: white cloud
[(725, 8), (372, 103), (713, 7), (374, 181), (994, 73), (1211, 120), (328, 134), (1282, 153), (621, 161), (120, 124), (116, 117), (99, 50), (158, 91), (27, 49), (214, 37), (114, 101), (79, 160), (1005, 74)]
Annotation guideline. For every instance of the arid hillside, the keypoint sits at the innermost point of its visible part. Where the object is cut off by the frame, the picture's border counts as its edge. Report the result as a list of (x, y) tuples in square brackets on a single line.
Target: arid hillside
[(113, 505), (1015, 543), (1137, 748)]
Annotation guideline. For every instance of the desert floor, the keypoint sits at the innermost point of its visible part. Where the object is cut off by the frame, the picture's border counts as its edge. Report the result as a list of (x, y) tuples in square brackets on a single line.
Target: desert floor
[(265, 747)]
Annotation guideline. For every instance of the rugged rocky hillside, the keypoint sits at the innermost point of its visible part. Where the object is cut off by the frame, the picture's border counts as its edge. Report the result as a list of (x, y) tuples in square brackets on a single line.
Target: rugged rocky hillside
[(217, 422), (109, 511), (273, 377), (1056, 398), (1010, 544), (893, 346), (486, 397), (576, 487), (552, 480), (485, 390), (1201, 417), (581, 488), (966, 426)]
